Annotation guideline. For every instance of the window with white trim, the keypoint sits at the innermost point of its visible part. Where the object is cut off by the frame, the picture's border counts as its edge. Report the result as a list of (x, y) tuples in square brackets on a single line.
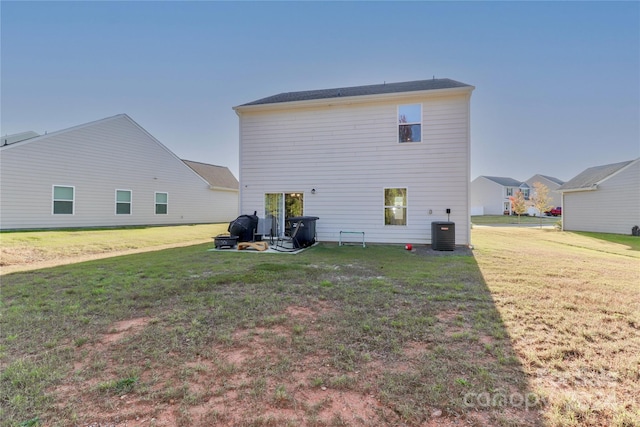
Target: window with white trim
[(395, 206), (410, 123), (63, 199), (123, 202), (162, 203)]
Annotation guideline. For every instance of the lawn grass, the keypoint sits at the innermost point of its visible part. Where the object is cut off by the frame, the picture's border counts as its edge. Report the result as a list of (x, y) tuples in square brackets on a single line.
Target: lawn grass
[(22, 250), (515, 220), (537, 327)]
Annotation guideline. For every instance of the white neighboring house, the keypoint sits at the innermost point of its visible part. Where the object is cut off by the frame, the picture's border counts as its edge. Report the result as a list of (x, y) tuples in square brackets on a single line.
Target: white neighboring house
[(106, 173), (490, 194), (224, 185), (386, 159), (555, 198), (603, 199)]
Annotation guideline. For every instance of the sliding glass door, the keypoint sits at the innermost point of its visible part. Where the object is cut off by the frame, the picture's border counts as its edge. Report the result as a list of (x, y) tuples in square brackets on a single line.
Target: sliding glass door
[(278, 207)]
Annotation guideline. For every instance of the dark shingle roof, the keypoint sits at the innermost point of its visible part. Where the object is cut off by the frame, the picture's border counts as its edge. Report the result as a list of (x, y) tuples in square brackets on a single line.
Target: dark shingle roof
[(378, 89), (216, 176), (591, 177), (505, 182)]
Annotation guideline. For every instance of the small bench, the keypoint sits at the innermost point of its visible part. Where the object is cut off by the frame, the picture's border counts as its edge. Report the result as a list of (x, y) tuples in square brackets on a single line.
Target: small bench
[(340, 243)]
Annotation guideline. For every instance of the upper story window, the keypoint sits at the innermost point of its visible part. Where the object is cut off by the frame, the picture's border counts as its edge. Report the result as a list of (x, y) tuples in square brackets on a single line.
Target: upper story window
[(63, 198), (395, 206), (410, 123), (162, 203), (509, 191), (123, 202)]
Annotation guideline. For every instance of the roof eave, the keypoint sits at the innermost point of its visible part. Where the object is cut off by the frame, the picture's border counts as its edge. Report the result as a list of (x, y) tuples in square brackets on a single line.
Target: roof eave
[(575, 190), (217, 188), (352, 99)]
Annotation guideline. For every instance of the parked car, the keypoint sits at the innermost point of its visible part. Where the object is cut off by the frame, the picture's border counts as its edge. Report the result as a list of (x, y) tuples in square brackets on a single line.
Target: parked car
[(555, 211)]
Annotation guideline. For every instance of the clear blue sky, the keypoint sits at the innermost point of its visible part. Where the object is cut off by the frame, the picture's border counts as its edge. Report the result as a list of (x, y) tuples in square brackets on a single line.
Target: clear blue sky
[(557, 83)]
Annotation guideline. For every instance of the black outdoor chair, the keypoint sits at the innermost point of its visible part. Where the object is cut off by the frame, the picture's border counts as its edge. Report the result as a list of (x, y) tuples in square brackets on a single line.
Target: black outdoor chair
[(290, 237)]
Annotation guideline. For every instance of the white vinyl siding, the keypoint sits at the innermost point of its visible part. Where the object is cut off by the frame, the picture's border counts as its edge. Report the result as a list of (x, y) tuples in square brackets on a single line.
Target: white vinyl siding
[(614, 207), (488, 197), (97, 158), (347, 153)]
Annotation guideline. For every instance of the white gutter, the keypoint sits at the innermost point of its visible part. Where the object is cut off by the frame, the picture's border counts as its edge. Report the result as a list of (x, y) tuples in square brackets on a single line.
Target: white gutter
[(231, 190), (575, 190)]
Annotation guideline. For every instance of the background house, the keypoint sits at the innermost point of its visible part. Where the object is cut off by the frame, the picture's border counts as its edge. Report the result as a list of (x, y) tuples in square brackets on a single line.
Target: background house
[(385, 159), (110, 172), (555, 198), (490, 194), (223, 184), (603, 199)]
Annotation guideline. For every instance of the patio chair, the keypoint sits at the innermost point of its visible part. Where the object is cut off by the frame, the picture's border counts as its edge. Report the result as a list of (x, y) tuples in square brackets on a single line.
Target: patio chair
[(290, 237)]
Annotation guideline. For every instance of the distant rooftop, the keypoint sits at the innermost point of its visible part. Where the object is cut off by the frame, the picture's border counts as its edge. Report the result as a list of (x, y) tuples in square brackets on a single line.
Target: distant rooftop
[(413, 86), (591, 177), (17, 137), (552, 179), (504, 181), (216, 176)]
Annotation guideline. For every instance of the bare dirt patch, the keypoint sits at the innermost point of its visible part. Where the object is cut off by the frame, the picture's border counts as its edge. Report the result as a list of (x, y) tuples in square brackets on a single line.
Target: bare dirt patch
[(257, 380), (126, 327)]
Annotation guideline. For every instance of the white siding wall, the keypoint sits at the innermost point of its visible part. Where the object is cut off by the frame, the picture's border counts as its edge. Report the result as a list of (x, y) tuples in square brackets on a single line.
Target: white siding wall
[(349, 154), (97, 159), (613, 208), (488, 195), (222, 206)]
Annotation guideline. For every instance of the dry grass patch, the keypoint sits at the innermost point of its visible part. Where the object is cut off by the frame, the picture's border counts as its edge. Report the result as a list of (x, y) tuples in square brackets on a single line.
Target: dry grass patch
[(31, 250), (571, 304)]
